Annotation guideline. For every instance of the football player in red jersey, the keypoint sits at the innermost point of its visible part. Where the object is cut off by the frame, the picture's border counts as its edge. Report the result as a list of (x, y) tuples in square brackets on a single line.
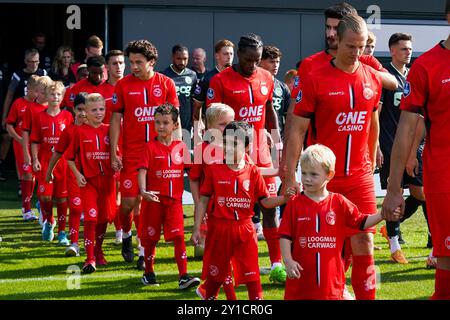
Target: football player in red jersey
[(73, 190), (248, 89), (46, 130), (135, 99), (313, 230), (339, 102), (94, 83), (95, 177), (161, 185), (236, 185), (14, 123), (427, 91)]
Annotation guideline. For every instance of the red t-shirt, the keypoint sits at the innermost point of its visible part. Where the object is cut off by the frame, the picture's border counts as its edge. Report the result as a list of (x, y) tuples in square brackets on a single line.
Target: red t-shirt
[(30, 112), (165, 168), (204, 154), (47, 129), (428, 88), (340, 106), (108, 92), (17, 113), (317, 232), (91, 146), (137, 100), (83, 86), (319, 59), (235, 192), (248, 98)]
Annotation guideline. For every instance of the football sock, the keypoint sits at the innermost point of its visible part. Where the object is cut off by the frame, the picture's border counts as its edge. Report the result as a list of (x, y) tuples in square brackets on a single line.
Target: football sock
[(27, 194), (89, 239), (394, 245), (364, 277), (149, 254), (74, 223), (273, 244), (441, 285), (180, 255), (47, 208), (61, 209), (254, 290)]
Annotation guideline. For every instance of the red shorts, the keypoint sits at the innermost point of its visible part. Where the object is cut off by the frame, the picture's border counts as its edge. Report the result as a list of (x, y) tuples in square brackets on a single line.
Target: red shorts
[(98, 198), (73, 190), (18, 153), (129, 187), (361, 191), (56, 188), (167, 213), (230, 240), (439, 220)]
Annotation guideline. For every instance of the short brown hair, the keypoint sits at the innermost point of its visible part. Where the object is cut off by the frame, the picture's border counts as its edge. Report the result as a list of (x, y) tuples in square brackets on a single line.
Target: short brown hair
[(271, 52), (144, 47), (94, 41), (397, 37), (168, 109), (222, 43), (113, 53), (339, 10), (352, 22)]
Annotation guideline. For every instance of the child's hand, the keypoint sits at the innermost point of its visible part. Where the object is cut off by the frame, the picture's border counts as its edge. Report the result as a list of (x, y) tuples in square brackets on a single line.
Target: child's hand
[(195, 238), (81, 180), (290, 192), (36, 165), (293, 269), (150, 195)]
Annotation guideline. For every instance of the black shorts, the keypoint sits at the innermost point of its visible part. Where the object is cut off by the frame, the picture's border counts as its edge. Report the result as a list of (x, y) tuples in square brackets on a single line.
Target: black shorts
[(407, 179)]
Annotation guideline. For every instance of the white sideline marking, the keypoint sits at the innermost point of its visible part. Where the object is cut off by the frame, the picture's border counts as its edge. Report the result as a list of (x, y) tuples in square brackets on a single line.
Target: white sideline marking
[(91, 276)]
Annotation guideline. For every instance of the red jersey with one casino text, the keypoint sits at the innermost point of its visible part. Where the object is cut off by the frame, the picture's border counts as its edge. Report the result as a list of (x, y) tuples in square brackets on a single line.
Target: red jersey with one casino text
[(17, 113), (248, 98), (83, 86), (319, 59), (33, 109), (340, 106), (91, 146), (46, 131), (137, 100), (428, 87), (317, 232), (235, 192), (165, 168)]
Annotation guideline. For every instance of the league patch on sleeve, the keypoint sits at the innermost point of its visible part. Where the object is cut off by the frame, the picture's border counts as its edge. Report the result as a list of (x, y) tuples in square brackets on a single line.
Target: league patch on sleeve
[(299, 97), (407, 89), (210, 93)]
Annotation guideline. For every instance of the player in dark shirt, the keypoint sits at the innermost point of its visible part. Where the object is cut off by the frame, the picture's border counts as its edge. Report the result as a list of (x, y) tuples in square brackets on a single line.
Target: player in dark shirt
[(185, 81)]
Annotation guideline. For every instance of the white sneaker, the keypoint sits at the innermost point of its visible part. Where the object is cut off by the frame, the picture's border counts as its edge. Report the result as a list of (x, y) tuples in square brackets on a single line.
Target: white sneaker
[(82, 216), (73, 250), (29, 216), (347, 295), (118, 239)]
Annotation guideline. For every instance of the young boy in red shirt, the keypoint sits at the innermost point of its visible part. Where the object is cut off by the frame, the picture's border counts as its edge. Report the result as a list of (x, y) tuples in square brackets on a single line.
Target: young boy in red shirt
[(236, 185), (161, 173), (312, 231), (218, 115), (95, 177), (14, 123), (47, 127), (73, 190)]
